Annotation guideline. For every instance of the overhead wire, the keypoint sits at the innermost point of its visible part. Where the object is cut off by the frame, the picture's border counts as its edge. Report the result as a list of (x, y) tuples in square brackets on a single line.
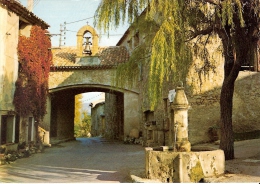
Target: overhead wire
[(36, 3), (82, 8), (120, 34), (78, 20), (88, 100)]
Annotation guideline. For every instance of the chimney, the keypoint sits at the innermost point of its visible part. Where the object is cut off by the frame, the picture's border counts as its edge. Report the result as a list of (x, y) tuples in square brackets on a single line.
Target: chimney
[(30, 5)]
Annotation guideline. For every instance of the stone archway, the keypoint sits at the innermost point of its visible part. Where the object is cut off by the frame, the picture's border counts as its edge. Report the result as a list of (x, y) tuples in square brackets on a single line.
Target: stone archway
[(124, 102), (80, 35)]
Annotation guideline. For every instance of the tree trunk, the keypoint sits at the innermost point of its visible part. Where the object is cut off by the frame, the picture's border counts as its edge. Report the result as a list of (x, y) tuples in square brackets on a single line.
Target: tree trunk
[(235, 53), (231, 71), (226, 106)]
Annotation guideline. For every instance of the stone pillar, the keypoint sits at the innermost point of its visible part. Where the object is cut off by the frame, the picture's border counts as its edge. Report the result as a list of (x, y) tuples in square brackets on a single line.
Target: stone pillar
[(180, 106), (46, 138), (23, 129)]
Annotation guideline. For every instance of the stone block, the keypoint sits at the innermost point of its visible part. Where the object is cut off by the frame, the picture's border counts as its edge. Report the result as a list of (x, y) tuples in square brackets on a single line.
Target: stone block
[(134, 133), (170, 166), (2, 159)]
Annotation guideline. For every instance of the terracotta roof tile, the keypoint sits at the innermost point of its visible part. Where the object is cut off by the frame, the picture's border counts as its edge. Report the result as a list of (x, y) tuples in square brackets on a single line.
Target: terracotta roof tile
[(64, 56), (16, 7), (112, 55)]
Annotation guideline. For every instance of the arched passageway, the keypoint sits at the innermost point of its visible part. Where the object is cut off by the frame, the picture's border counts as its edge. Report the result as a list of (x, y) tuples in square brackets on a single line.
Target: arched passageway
[(74, 72), (120, 118)]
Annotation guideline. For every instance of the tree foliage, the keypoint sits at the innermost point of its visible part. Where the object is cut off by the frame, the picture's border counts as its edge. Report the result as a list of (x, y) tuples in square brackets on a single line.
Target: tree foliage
[(78, 107), (34, 67), (177, 23), (82, 121), (83, 128)]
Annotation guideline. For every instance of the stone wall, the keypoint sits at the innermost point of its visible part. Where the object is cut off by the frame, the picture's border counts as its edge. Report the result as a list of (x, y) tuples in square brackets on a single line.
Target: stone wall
[(98, 120), (168, 166), (45, 124), (114, 112), (247, 102), (62, 115), (9, 31), (117, 117), (204, 112), (202, 86), (9, 26)]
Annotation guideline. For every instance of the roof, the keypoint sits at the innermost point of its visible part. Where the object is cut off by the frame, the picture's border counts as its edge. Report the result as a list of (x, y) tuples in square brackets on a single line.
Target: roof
[(65, 56), (123, 37), (97, 104), (127, 32), (16, 7), (108, 57), (114, 55)]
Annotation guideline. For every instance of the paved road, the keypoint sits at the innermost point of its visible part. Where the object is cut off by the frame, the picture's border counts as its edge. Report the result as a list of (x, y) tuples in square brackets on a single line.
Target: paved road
[(85, 160), (245, 168), (96, 160)]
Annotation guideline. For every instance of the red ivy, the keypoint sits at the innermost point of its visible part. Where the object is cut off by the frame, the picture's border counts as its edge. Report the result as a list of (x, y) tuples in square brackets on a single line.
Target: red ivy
[(34, 67)]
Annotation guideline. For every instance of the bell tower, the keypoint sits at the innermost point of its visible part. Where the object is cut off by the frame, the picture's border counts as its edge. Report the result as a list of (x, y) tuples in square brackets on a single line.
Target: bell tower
[(87, 41)]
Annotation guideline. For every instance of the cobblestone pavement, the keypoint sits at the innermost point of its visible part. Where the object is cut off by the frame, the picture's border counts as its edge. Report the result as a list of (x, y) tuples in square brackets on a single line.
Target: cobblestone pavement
[(85, 160)]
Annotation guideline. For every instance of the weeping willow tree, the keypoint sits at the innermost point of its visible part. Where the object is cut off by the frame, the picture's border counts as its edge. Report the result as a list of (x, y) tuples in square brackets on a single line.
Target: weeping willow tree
[(176, 23)]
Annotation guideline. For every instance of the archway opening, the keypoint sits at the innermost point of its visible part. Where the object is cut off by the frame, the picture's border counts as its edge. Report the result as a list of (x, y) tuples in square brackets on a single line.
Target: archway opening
[(83, 122), (106, 116)]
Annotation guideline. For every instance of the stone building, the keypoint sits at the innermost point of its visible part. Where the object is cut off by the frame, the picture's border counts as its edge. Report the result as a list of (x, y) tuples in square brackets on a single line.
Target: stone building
[(98, 119), (15, 20), (80, 69), (107, 117), (114, 113), (203, 92), (90, 68)]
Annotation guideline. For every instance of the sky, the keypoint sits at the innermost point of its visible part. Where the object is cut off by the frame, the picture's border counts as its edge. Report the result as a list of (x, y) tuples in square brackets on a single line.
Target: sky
[(76, 14)]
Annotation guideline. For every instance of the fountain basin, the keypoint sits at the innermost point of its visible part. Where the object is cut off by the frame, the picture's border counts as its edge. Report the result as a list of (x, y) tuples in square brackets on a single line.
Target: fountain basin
[(166, 165)]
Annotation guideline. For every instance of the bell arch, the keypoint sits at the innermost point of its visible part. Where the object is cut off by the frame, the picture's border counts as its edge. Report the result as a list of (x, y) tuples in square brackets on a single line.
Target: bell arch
[(82, 31)]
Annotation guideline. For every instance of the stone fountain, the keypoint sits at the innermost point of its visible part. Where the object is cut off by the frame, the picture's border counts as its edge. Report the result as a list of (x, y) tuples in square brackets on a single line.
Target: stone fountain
[(179, 162)]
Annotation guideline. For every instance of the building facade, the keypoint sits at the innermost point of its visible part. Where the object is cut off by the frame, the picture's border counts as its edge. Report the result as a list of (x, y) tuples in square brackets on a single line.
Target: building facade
[(15, 20), (107, 117), (85, 69), (98, 119), (203, 92)]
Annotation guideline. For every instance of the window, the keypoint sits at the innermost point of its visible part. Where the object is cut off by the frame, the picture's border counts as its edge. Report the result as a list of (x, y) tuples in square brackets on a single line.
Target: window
[(129, 44), (136, 39), (149, 115), (8, 129)]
